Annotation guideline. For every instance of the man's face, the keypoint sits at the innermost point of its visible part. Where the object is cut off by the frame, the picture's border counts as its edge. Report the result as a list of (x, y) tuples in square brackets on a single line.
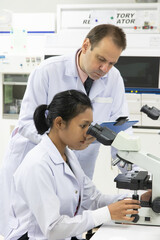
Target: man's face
[(97, 62)]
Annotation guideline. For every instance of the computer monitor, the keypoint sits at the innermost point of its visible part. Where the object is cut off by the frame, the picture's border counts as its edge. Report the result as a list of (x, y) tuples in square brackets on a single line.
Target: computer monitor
[(139, 72)]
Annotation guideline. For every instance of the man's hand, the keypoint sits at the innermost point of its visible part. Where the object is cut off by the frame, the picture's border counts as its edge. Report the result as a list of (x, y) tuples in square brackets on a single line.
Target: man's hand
[(146, 196), (88, 141), (119, 210)]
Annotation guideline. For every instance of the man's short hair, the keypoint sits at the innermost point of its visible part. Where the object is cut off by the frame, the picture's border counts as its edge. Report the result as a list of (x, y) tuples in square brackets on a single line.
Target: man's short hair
[(97, 33)]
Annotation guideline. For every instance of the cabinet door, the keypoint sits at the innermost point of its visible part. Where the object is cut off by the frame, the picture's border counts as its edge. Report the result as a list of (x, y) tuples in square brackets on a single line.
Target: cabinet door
[(14, 86), (150, 140), (134, 106)]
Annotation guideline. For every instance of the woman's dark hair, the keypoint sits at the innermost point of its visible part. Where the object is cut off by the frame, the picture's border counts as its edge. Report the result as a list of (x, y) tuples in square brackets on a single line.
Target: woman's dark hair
[(97, 33), (67, 104)]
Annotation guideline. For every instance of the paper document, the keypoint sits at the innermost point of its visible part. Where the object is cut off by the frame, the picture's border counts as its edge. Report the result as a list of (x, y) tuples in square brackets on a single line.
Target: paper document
[(117, 128)]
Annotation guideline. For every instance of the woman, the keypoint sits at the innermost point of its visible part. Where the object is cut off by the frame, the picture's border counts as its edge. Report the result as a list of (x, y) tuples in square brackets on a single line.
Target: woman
[(52, 198)]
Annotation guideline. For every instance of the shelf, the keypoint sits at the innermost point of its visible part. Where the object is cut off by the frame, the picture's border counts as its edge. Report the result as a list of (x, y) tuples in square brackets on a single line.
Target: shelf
[(10, 116), (15, 83)]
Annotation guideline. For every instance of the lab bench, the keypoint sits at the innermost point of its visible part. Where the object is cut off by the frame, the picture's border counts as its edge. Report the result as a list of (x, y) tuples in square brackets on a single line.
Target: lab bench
[(127, 232)]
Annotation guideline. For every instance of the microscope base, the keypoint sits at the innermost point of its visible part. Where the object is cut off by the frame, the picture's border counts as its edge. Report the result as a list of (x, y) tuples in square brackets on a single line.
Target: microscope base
[(146, 217)]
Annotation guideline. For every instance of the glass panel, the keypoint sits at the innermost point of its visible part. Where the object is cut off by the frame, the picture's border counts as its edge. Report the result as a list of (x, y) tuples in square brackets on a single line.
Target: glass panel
[(139, 72), (12, 98), (15, 77)]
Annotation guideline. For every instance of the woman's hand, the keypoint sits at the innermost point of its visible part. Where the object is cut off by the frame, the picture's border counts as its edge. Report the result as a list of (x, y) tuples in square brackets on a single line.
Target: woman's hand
[(119, 210)]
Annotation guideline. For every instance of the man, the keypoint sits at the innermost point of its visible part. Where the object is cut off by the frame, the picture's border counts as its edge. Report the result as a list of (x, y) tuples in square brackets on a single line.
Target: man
[(96, 58)]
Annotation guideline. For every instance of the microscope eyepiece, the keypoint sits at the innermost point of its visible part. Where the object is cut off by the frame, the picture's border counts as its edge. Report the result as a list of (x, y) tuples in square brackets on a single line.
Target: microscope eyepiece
[(152, 112), (103, 135)]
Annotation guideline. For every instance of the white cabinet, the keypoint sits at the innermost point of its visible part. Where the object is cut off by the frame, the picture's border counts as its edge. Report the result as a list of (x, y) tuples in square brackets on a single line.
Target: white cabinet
[(134, 106), (135, 103), (150, 140)]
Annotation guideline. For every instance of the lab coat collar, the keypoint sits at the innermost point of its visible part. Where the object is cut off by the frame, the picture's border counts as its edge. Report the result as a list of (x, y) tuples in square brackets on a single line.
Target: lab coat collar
[(51, 149), (71, 70), (71, 67), (73, 162), (57, 158)]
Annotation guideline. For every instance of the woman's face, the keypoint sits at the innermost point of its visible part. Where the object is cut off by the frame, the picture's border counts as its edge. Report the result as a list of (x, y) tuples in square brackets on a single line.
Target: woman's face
[(74, 134)]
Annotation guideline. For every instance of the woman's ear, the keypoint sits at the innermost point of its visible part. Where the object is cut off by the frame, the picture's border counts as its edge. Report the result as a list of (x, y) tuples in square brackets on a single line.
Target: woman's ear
[(86, 44), (59, 123)]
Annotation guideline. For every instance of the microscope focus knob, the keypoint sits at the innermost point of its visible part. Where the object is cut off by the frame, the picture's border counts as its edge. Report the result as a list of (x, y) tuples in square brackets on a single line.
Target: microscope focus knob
[(156, 205), (136, 218)]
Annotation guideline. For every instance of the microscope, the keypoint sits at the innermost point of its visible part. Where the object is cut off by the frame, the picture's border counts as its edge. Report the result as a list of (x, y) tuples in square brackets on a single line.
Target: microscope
[(128, 153), (152, 112)]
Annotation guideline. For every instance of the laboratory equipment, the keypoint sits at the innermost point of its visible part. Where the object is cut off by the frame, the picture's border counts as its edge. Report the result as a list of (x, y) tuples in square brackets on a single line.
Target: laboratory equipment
[(140, 73), (133, 18), (129, 153), (151, 112), (103, 135), (15, 70)]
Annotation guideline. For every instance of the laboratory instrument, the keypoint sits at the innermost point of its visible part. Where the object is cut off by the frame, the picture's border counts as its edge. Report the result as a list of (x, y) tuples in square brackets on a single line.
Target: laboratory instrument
[(152, 112), (129, 153)]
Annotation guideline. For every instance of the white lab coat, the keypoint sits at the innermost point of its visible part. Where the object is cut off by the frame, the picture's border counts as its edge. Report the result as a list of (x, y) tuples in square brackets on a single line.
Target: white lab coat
[(45, 196), (52, 76), (60, 73)]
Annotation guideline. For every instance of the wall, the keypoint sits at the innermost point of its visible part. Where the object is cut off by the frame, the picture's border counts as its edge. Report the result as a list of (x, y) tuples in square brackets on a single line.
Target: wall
[(48, 5)]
